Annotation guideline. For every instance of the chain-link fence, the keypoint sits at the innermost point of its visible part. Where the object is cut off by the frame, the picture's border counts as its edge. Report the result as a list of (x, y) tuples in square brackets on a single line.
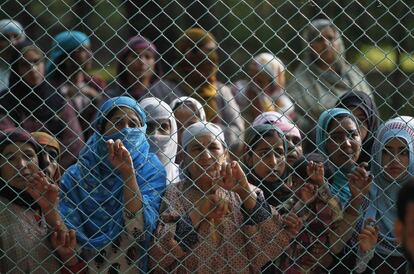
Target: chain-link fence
[(205, 136)]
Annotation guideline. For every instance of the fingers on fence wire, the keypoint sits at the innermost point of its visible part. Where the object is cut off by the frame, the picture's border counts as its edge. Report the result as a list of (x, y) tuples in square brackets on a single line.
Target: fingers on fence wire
[(368, 237)]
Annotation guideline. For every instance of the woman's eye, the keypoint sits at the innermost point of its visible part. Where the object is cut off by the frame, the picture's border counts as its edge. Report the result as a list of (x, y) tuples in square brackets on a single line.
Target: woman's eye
[(132, 124)]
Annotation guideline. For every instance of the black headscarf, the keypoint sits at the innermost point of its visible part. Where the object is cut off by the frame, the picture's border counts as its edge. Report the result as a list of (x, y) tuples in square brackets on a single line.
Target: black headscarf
[(360, 99), (13, 194), (21, 100)]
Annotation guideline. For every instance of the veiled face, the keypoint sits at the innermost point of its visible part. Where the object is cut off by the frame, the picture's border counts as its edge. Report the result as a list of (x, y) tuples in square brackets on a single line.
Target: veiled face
[(121, 118)]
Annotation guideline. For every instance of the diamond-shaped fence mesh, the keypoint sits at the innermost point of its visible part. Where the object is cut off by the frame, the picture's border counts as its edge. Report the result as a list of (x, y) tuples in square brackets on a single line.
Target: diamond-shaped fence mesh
[(206, 136)]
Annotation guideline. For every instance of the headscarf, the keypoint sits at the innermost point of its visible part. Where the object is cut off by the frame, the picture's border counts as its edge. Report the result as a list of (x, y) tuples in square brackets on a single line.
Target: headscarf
[(274, 192), (207, 91), (137, 43), (316, 90), (361, 100), (195, 106), (64, 44), (202, 129), (92, 199), (339, 185), (42, 101), (8, 26), (164, 146), (45, 139), (14, 195), (383, 193), (278, 120), (271, 65)]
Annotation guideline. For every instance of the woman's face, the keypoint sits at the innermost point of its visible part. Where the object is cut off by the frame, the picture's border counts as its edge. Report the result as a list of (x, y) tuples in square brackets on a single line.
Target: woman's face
[(121, 118), (326, 46), (19, 163), (203, 159), (83, 57), (362, 121), (185, 117), (263, 82), (268, 158), (295, 150), (32, 68), (141, 64), (395, 158), (159, 127), (344, 143), (51, 160)]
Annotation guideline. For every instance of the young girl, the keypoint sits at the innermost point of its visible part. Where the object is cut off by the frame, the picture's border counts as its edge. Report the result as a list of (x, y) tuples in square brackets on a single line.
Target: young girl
[(327, 225), (214, 220), (162, 134), (392, 166), (264, 157), (112, 195), (31, 227)]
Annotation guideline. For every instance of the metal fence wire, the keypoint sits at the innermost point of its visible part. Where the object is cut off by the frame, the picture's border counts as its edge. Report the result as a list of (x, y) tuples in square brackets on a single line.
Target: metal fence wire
[(205, 136)]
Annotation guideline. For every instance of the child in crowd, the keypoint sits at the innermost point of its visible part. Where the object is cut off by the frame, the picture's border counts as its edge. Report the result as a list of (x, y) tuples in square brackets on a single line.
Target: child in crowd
[(326, 224)]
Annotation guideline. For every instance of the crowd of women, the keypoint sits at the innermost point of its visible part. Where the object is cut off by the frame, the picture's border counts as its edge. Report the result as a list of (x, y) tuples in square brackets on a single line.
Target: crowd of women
[(179, 172)]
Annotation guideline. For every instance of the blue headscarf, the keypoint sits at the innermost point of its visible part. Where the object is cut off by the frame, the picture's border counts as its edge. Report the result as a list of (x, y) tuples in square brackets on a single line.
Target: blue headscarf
[(92, 199), (64, 44), (383, 194), (339, 186)]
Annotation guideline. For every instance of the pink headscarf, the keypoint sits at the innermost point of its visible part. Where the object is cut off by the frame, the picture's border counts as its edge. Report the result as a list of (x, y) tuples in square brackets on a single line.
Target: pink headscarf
[(278, 120)]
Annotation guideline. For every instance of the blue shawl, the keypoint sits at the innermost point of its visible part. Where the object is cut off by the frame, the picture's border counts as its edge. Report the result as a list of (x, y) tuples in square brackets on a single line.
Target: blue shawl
[(92, 199), (339, 187), (383, 194)]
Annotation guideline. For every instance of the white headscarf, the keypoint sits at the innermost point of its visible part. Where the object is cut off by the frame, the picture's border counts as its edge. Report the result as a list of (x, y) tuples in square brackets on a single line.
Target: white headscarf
[(201, 129), (189, 100), (164, 146), (270, 64)]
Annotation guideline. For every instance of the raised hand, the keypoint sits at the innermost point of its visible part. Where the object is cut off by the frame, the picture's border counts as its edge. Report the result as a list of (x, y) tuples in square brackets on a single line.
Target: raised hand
[(292, 223), (210, 207), (316, 173), (120, 157), (233, 177), (64, 242), (359, 181), (306, 193), (45, 193), (368, 237)]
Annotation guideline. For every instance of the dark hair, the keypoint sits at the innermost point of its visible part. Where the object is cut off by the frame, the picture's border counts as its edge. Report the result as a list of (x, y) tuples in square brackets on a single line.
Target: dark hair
[(405, 196)]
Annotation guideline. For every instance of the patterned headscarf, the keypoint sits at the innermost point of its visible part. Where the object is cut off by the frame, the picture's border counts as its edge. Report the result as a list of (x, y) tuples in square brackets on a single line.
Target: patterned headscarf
[(383, 193)]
